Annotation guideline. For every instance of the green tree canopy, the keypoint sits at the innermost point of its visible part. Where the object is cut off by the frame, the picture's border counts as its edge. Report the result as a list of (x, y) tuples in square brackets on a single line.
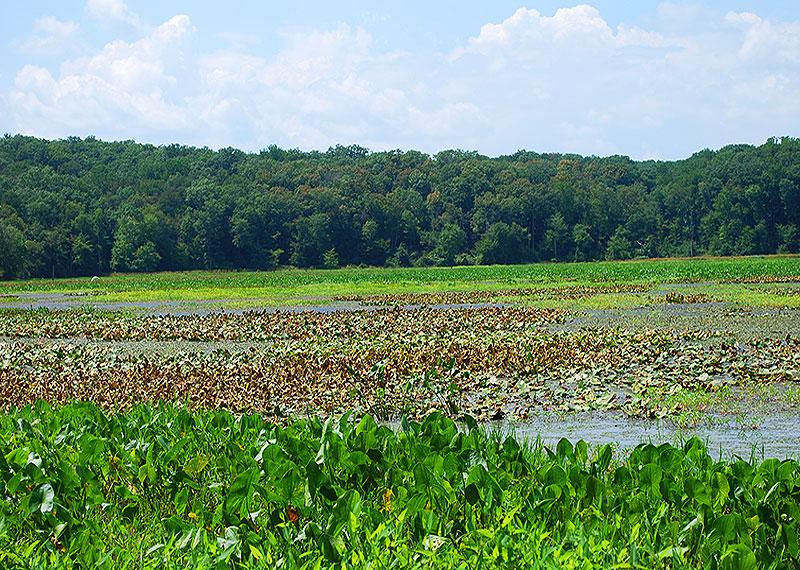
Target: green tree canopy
[(84, 206)]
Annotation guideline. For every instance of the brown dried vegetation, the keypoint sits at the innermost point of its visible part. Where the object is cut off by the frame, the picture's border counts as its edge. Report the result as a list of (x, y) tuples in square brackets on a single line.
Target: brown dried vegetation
[(491, 362), (492, 296)]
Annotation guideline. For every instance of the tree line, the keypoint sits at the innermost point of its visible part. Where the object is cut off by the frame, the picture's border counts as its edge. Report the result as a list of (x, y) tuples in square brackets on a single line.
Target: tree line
[(83, 206)]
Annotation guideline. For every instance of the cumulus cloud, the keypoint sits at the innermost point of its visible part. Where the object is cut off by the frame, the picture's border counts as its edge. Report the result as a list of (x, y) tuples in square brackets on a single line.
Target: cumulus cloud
[(114, 12), (50, 35), (600, 89), (322, 88), (124, 86), (564, 81), (764, 40), (528, 35)]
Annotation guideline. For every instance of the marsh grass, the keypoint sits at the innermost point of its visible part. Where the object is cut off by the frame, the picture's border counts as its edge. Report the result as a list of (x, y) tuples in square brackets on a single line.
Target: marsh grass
[(295, 283), (589, 303), (746, 295)]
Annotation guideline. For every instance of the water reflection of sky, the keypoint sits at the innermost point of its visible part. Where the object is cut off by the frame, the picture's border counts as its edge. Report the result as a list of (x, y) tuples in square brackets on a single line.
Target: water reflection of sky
[(777, 435)]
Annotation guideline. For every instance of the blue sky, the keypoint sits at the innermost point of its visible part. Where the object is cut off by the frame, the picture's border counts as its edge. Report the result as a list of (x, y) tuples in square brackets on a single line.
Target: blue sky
[(646, 79)]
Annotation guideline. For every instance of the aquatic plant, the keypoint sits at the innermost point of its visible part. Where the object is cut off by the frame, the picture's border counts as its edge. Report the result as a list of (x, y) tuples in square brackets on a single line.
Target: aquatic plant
[(170, 488)]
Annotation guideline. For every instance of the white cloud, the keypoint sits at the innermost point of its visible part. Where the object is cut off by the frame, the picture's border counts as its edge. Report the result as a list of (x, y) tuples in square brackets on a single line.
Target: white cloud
[(124, 86), (568, 81), (322, 88), (764, 40), (50, 36), (114, 12), (572, 78), (529, 36)]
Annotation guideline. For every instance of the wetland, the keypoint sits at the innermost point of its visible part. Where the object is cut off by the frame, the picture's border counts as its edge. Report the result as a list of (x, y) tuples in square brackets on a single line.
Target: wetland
[(443, 419)]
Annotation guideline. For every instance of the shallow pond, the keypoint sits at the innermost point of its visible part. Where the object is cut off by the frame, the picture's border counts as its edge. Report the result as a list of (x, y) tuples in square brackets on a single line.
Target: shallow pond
[(60, 301), (776, 435)]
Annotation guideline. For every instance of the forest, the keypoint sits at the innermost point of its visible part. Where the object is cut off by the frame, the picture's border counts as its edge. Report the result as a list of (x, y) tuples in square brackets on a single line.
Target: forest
[(78, 207)]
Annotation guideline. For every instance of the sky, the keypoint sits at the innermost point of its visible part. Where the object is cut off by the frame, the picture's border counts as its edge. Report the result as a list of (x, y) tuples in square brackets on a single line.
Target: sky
[(646, 79)]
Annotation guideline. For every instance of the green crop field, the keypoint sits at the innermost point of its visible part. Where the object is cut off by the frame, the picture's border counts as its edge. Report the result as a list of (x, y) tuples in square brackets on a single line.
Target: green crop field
[(410, 417), (293, 284), (645, 271)]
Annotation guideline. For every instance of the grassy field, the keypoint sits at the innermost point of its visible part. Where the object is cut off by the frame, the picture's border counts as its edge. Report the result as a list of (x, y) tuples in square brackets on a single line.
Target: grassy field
[(298, 284), (181, 435)]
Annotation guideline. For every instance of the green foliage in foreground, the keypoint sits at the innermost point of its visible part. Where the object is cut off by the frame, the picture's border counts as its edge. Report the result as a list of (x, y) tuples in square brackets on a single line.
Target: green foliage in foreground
[(173, 488)]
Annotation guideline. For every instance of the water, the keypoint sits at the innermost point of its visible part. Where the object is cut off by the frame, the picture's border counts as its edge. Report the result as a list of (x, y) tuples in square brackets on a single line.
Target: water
[(777, 435), (59, 301)]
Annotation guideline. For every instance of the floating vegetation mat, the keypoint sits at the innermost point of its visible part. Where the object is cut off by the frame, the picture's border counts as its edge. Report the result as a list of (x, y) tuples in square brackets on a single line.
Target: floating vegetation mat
[(493, 295), (491, 362)]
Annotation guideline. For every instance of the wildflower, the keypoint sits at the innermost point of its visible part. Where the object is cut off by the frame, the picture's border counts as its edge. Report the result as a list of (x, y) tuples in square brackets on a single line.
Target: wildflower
[(388, 495)]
